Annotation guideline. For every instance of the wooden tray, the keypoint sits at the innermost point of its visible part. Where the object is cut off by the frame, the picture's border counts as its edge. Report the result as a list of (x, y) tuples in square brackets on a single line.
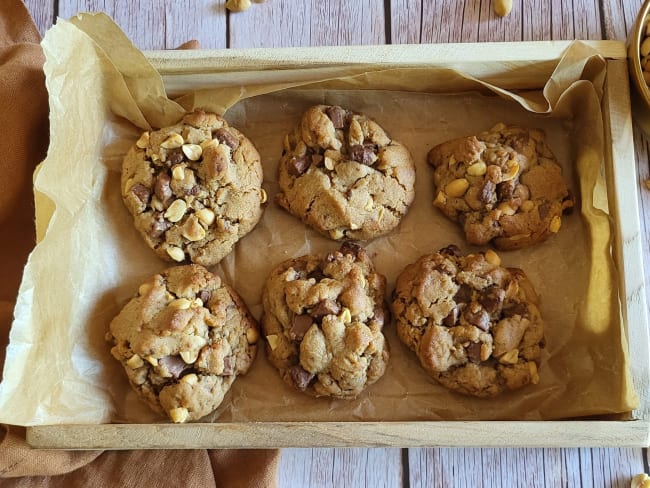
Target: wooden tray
[(497, 63)]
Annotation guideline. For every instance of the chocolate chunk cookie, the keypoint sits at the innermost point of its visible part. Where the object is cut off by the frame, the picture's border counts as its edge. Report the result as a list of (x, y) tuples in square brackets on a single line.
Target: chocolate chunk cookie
[(323, 320), (473, 324), (183, 340), (504, 186), (194, 189), (342, 175)]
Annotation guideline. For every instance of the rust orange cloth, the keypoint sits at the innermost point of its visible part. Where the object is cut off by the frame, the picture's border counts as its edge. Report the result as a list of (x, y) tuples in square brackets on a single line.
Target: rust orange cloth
[(24, 118)]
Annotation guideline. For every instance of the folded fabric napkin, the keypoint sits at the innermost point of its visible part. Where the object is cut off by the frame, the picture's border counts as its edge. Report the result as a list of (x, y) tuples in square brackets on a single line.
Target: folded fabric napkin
[(24, 119)]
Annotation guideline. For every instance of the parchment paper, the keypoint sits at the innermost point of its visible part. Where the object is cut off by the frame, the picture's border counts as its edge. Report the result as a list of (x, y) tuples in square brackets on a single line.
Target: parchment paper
[(91, 260)]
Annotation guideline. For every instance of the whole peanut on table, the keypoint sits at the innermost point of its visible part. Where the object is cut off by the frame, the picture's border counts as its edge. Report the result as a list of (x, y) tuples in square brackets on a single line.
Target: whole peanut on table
[(502, 7), (645, 54)]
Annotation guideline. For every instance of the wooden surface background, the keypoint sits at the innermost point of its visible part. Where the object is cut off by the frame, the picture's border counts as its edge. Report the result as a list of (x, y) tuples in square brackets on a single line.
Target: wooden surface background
[(165, 24)]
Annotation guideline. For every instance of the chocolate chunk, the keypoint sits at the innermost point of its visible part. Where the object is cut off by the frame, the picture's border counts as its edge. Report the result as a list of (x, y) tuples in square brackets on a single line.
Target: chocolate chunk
[(141, 192), (488, 192), (492, 299), (298, 165), (205, 296), (363, 153), (159, 225), (175, 156), (194, 191), (337, 115), (516, 309), (505, 190), (463, 295), (451, 319), (543, 209), (300, 326), (300, 377), (349, 247), (474, 352), (225, 137), (316, 274), (380, 315), (174, 364), (324, 307), (163, 191), (316, 159), (228, 366), (477, 316), (450, 250)]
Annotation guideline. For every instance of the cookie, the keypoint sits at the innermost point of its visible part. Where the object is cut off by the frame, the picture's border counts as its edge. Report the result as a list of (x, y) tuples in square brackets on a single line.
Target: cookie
[(194, 189), (183, 340), (323, 320), (504, 186), (473, 324), (341, 174)]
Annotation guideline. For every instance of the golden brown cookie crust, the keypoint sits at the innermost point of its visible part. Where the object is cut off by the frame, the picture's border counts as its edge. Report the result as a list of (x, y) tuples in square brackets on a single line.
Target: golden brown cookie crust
[(504, 186), (194, 189), (323, 320), (183, 340), (341, 174), (473, 324)]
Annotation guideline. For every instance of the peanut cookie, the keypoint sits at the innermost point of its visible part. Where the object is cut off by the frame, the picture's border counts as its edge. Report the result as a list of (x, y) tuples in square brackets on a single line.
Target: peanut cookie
[(342, 175), (323, 320), (194, 189), (504, 186), (183, 340), (473, 324)]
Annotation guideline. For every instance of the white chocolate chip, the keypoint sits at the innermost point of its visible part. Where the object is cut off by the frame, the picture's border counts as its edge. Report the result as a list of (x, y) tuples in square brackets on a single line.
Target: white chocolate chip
[(172, 142), (179, 415), (273, 341), (176, 253), (176, 210)]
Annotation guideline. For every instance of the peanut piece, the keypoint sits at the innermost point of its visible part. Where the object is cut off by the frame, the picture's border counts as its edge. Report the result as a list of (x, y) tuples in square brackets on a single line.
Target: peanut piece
[(645, 47), (135, 362), (178, 172), (206, 216), (513, 170), (492, 257), (502, 7), (534, 376), (189, 356), (192, 151), (556, 223), (190, 379), (506, 209), (440, 199), (486, 351), (179, 415), (143, 141), (356, 133), (345, 316), (252, 335), (152, 360), (527, 206), (477, 169), (180, 304), (456, 188), (145, 288), (329, 163), (172, 142), (176, 253), (263, 196), (193, 230), (336, 234), (511, 357), (176, 210)]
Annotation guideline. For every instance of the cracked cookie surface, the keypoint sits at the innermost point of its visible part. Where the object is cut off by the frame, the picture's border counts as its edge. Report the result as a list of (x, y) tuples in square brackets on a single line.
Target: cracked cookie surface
[(323, 320), (194, 189), (473, 324), (341, 174), (183, 340), (504, 186)]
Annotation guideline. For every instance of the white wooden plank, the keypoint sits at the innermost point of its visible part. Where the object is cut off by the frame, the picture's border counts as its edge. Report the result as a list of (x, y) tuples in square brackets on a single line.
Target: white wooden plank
[(42, 12), (405, 19), (159, 24), (618, 17)]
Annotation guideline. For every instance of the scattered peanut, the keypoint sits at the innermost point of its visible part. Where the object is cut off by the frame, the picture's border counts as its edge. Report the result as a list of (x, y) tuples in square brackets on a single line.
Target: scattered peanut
[(640, 481), (502, 7), (238, 5)]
